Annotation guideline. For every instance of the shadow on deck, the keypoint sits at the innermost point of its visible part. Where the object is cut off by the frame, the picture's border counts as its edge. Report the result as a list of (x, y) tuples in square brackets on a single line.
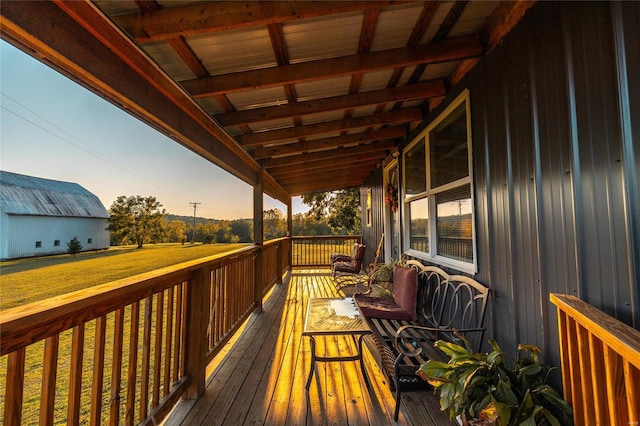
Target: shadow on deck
[(259, 376)]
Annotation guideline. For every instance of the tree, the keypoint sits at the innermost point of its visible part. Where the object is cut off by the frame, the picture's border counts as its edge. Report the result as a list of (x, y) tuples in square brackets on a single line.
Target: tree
[(341, 209), (74, 247), (274, 224), (136, 219), (243, 229), (176, 231)]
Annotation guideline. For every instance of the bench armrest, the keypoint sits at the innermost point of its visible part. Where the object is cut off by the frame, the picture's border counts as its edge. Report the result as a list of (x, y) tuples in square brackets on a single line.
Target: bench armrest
[(417, 350)]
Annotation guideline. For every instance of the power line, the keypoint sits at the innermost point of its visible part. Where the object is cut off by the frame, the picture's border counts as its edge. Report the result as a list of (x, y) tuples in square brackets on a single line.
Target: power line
[(81, 145)]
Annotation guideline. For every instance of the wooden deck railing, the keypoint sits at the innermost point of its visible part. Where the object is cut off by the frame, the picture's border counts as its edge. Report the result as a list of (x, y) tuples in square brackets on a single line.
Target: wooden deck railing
[(315, 251), (600, 364), (125, 352)]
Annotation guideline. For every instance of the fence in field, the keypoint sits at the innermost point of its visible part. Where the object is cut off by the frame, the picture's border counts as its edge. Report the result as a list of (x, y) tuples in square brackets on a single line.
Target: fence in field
[(125, 352)]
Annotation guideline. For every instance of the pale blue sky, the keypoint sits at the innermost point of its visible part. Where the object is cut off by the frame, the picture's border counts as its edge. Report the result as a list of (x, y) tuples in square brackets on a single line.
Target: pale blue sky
[(51, 127)]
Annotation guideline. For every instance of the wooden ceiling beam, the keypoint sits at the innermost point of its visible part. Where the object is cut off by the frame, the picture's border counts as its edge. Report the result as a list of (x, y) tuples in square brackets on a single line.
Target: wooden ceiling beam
[(326, 186), (442, 51), (373, 150), (330, 143), (327, 163), (339, 175), (354, 123), (425, 90), (219, 16), (315, 167)]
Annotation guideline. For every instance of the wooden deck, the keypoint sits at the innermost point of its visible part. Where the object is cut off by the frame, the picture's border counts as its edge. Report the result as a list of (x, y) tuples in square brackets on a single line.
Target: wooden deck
[(260, 375)]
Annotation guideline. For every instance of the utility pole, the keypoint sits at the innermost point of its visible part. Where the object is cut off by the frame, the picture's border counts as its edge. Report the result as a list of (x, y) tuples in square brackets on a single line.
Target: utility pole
[(193, 233)]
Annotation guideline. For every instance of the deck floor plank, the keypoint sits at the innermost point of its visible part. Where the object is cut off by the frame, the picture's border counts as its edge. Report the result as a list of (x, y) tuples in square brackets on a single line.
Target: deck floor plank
[(259, 377)]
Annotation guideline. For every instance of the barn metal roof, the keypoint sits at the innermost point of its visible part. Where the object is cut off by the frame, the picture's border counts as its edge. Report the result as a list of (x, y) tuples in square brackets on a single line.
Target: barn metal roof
[(284, 93), (34, 196)]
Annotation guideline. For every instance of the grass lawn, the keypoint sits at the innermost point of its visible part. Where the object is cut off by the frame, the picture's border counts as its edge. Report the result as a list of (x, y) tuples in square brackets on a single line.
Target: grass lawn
[(28, 280)]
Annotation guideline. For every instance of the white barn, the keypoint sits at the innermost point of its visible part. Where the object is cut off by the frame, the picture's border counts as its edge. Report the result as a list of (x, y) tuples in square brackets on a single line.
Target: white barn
[(40, 216)]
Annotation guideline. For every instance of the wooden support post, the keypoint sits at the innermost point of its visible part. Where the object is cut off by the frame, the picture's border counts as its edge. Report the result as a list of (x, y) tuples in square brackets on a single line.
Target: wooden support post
[(258, 239), (197, 318), (279, 254), (289, 234)]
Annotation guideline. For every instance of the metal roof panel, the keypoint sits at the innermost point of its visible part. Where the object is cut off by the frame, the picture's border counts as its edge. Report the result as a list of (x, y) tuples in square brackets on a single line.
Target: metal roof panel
[(234, 51), (395, 26), (258, 98), (168, 59), (324, 37), (29, 195)]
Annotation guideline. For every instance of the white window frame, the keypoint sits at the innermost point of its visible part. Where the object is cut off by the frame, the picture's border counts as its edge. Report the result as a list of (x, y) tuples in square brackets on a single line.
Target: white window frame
[(430, 194)]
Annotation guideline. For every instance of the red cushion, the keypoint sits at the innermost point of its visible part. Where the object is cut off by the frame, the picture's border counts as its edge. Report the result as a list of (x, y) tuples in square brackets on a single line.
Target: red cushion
[(380, 307), (405, 289)]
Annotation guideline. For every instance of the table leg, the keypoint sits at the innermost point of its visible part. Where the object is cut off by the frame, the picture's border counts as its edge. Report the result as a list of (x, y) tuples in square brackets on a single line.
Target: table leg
[(313, 361)]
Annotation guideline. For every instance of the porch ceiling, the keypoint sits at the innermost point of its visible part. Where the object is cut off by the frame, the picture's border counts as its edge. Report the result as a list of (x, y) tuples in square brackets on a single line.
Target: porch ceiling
[(315, 93)]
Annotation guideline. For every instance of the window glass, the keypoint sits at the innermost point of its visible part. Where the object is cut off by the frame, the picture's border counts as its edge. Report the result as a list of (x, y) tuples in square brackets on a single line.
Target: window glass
[(448, 149), (438, 205), (455, 224), (419, 224), (415, 169)]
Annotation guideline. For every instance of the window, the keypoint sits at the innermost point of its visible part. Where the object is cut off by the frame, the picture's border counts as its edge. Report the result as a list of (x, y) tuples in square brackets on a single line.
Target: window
[(56, 243), (38, 244), (89, 240), (439, 214)]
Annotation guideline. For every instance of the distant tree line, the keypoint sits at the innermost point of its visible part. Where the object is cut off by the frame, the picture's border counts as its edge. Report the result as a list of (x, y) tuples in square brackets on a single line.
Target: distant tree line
[(141, 220)]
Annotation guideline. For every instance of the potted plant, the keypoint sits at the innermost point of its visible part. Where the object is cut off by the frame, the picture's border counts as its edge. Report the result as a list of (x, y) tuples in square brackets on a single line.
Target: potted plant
[(484, 389), (381, 280)]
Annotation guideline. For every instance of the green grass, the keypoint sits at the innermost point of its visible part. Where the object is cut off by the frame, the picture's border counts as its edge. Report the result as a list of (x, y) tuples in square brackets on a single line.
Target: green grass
[(29, 280)]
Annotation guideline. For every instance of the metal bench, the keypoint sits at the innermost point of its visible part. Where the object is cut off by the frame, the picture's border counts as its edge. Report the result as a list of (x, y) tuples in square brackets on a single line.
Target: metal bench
[(447, 307)]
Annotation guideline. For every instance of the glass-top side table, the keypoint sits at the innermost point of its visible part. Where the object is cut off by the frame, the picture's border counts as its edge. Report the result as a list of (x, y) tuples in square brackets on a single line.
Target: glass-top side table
[(331, 316)]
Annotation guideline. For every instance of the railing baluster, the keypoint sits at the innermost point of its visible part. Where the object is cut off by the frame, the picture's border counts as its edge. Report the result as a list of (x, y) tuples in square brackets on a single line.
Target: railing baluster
[(157, 359), (574, 371), (598, 376), (116, 373), (49, 377), (632, 385), (146, 354), (179, 350), (584, 359), (14, 388), (168, 340), (98, 371), (75, 382), (130, 416), (617, 397)]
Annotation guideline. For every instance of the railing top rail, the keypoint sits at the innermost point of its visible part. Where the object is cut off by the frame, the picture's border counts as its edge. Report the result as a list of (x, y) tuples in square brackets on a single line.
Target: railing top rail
[(619, 336), (275, 241), (328, 237), (23, 325)]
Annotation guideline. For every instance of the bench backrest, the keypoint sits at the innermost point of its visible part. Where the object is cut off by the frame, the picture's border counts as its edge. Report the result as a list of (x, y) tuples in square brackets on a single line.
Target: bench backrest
[(451, 302)]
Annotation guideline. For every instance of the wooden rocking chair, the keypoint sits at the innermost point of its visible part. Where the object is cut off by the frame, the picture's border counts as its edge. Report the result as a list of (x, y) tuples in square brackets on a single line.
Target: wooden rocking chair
[(347, 271)]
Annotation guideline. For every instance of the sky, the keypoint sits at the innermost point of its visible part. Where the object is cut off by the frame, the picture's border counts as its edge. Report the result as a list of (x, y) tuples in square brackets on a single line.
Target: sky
[(50, 127)]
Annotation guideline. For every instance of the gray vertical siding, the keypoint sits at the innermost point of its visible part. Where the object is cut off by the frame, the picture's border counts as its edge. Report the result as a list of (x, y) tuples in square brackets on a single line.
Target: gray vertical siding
[(371, 235), (555, 113), (555, 133)]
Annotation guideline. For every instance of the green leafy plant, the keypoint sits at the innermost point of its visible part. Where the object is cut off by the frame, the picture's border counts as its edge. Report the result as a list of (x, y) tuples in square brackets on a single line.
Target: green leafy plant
[(486, 390), (382, 273)]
